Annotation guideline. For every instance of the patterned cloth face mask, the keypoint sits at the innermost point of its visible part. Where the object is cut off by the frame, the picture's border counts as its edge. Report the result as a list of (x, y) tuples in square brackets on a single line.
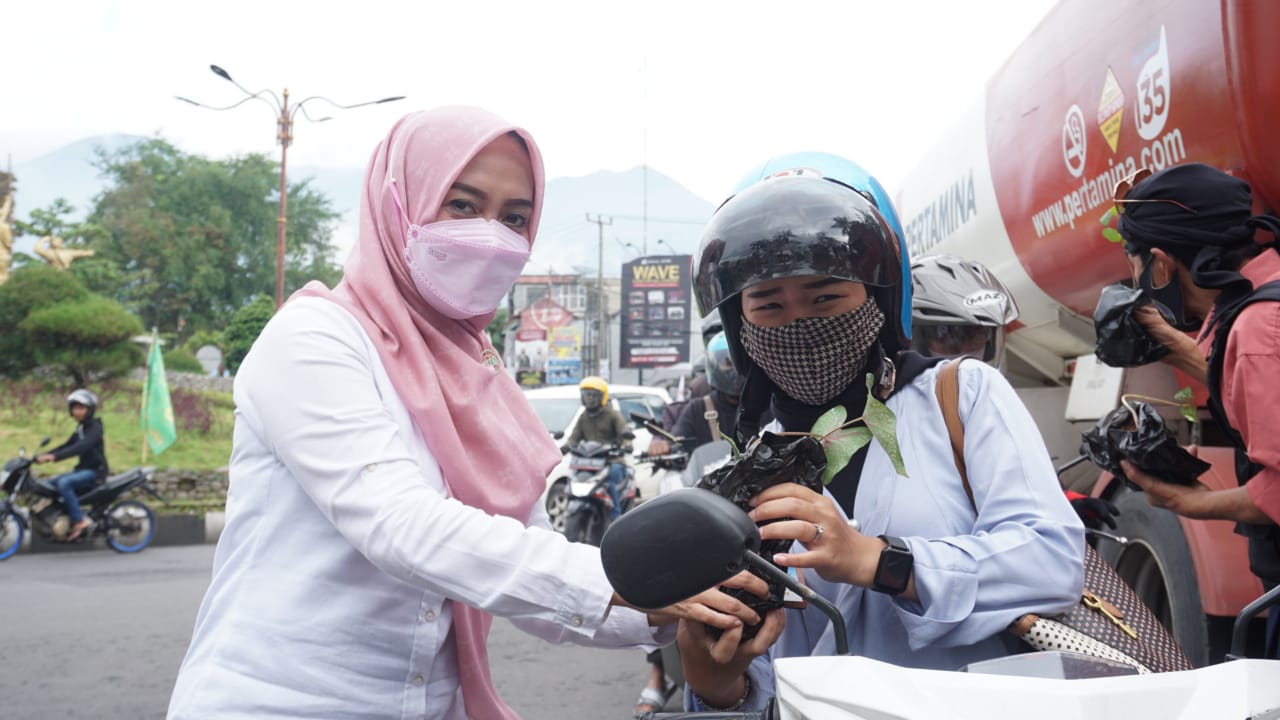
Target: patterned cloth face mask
[(814, 359), (462, 268)]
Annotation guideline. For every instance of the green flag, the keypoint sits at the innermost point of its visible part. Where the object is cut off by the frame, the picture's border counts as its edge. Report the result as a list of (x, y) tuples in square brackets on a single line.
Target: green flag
[(157, 410)]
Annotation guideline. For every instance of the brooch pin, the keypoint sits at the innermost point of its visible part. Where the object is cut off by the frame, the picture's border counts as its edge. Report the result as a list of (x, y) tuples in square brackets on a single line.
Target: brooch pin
[(490, 359)]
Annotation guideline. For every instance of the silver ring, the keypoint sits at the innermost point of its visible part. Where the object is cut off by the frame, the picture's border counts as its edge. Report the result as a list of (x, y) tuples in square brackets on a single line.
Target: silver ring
[(817, 533), (853, 523)]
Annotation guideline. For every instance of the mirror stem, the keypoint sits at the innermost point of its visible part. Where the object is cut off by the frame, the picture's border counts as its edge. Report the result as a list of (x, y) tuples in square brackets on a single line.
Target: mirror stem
[(831, 611)]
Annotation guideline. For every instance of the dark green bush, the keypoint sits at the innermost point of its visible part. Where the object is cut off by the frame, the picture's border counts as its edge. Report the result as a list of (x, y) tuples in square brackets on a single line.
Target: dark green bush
[(244, 329), (30, 287), (179, 360), (89, 338)]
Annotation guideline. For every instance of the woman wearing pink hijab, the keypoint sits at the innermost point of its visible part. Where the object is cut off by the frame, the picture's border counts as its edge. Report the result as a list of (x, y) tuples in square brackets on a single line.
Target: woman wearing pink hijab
[(385, 470)]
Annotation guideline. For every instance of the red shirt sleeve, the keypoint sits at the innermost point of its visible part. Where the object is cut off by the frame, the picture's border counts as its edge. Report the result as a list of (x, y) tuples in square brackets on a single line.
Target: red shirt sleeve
[(1251, 397)]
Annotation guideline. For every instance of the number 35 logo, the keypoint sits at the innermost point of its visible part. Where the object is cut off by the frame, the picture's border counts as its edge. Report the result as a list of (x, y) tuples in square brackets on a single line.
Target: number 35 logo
[(1151, 106)]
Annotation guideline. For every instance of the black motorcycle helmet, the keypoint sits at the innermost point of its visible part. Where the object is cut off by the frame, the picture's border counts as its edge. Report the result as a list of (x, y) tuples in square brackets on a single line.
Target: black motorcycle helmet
[(792, 227)]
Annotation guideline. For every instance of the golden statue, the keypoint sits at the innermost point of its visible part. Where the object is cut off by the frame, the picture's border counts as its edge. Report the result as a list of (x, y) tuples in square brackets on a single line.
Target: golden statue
[(51, 249), (6, 236)]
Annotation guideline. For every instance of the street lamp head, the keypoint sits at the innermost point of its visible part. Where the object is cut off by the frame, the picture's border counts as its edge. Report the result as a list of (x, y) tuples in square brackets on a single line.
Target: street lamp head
[(187, 100), (389, 99), (220, 72)]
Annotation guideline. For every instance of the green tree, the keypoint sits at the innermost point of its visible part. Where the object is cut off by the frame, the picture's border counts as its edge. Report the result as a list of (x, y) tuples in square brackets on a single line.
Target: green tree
[(244, 329), (194, 239), (28, 289), (89, 338)]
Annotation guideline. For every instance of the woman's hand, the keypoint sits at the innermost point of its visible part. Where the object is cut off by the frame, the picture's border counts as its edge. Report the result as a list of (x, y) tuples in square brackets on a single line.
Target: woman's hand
[(714, 669), (712, 607), (45, 458), (838, 552), (1183, 353)]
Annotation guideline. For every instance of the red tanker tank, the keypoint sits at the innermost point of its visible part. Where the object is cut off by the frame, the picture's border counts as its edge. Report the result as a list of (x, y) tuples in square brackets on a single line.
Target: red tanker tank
[(1023, 181)]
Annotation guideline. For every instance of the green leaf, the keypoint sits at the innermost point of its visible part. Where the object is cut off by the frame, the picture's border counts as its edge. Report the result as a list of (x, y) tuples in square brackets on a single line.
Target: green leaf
[(840, 446), (733, 446), (1189, 412), (829, 421), (884, 425), (1183, 395)]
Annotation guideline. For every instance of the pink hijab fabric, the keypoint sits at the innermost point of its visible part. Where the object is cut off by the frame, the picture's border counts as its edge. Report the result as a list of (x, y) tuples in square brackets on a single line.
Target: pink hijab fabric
[(493, 450)]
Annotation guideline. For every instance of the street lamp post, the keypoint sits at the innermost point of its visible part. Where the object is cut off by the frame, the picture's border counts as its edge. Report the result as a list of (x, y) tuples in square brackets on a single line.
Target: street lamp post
[(284, 134)]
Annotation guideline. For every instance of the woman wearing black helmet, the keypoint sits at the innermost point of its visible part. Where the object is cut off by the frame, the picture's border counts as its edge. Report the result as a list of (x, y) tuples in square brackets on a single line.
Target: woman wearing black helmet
[(87, 443), (809, 280)]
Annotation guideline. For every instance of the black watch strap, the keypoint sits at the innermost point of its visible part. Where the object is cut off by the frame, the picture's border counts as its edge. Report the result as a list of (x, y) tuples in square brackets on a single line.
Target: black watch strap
[(893, 572)]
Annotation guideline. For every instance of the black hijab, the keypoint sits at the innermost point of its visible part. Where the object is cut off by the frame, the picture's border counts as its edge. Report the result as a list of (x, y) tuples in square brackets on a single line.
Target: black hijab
[(1211, 237)]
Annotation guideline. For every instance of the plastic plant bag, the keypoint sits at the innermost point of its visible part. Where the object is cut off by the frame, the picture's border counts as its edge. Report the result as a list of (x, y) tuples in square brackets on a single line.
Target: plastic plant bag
[(1121, 339), (1149, 446), (767, 461)]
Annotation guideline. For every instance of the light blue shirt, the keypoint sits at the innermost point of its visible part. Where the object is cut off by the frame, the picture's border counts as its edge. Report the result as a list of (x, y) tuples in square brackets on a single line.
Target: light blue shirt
[(1021, 553)]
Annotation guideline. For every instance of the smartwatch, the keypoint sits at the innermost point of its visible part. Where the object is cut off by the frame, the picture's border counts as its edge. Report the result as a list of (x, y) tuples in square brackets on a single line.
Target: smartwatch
[(894, 570)]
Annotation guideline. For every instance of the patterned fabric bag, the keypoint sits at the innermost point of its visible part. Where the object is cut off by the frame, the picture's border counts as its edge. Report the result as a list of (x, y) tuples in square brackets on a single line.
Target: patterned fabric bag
[(1110, 621)]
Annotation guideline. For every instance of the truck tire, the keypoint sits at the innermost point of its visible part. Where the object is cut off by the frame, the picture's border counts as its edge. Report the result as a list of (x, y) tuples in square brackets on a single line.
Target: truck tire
[(1157, 564)]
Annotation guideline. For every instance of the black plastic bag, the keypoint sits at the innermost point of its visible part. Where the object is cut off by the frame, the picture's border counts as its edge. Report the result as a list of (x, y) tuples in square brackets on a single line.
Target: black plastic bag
[(1149, 446), (767, 461), (1121, 339)]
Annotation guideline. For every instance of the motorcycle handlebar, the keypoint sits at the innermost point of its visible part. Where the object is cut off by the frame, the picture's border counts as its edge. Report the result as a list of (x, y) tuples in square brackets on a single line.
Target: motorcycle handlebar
[(767, 714), (653, 427), (665, 456)]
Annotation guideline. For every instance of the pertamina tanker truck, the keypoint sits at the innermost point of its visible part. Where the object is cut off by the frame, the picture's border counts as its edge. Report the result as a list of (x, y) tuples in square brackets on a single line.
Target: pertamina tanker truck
[(1022, 181)]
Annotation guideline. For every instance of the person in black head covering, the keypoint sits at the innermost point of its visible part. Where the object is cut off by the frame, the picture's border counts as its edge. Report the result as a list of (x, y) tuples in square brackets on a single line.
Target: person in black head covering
[(1189, 234)]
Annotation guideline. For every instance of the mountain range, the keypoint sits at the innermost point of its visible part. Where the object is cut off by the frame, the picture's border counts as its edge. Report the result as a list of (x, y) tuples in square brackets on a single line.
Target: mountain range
[(640, 206)]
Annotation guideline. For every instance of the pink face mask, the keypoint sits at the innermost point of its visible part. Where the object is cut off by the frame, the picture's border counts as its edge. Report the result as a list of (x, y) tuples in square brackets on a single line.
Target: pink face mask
[(462, 268)]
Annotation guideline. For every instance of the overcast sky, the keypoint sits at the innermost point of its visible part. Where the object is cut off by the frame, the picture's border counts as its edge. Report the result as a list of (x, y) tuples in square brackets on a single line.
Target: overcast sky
[(698, 90)]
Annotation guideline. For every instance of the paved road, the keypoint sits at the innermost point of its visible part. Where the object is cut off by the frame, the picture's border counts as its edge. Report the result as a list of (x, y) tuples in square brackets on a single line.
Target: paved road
[(100, 635)]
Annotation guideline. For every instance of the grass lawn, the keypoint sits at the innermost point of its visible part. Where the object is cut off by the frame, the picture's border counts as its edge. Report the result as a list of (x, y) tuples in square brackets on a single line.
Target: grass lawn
[(28, 413)]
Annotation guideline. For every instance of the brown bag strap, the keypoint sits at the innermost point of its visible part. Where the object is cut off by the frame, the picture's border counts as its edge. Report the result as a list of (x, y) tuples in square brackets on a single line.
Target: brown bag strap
[(947, 388), (712, 417)]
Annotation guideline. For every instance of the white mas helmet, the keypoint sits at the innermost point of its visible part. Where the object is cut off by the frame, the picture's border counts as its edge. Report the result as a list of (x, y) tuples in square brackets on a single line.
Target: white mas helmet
[(83, 397), (959, 307)]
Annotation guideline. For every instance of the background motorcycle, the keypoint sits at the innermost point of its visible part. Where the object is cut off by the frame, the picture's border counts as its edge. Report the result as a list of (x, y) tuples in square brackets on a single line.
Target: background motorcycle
[(127, 525), (590, 509)]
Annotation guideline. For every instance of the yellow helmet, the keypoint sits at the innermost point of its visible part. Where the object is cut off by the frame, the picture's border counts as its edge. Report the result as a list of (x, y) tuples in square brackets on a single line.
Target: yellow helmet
[(599, 385)]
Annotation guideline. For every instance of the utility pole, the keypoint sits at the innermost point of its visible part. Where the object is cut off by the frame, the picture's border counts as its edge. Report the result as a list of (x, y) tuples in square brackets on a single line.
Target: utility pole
[(284, 134), (600, 331)]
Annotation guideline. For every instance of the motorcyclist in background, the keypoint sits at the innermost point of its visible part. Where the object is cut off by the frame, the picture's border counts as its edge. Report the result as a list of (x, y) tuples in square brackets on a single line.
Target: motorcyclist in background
[(712, 416), (87, 443), (959, 308), (601, 423)]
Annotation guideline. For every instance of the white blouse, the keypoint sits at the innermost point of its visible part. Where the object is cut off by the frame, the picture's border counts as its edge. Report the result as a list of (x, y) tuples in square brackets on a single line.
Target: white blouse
[(342, 553)]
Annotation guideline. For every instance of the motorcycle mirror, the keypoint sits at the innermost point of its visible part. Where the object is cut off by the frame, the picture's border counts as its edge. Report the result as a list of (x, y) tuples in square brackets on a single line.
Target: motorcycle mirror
[(45, 441), (686, 541), (557, 434), (647, 553), (628, 435)]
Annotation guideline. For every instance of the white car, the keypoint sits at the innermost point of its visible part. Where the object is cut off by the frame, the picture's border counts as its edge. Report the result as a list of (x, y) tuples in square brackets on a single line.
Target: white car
[(559, 406)]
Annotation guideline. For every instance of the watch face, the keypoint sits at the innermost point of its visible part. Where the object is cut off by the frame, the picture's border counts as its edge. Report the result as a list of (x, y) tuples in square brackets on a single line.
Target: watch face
[(894, 571)]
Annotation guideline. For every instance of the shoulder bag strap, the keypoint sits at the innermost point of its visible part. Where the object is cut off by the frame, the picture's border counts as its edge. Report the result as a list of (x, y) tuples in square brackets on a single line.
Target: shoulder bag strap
[(947, 388), (712, 417)]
